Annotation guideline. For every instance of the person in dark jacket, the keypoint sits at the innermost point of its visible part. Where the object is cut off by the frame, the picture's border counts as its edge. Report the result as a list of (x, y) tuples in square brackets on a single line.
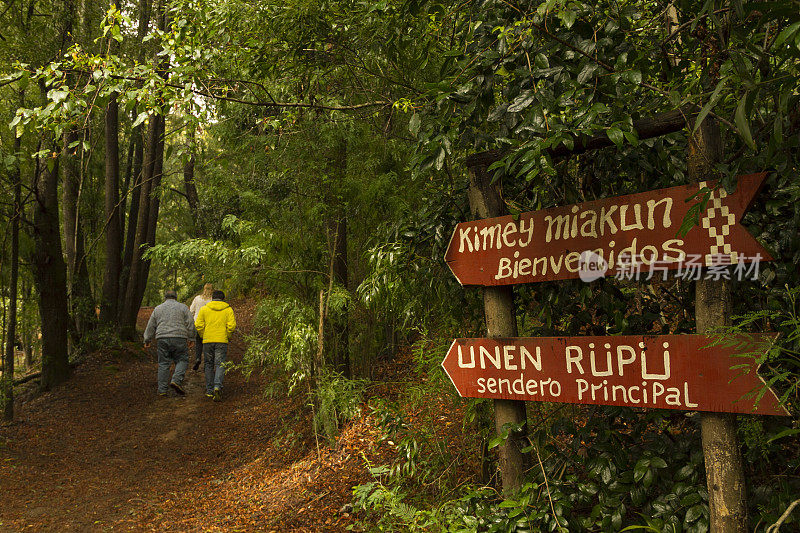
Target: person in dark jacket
[(172, 325)]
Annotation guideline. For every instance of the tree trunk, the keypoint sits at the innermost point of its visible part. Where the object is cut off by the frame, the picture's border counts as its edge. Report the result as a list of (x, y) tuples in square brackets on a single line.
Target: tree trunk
[(79, 287), (113, 255), (137, 146), (133, 216), (191, 195), (8, 363), (152, 219), (131, 302), (724, 474), (127, 181), (341, 331), (485, 202), (70, 196), (148, 203), (50, 275), (25, 331)]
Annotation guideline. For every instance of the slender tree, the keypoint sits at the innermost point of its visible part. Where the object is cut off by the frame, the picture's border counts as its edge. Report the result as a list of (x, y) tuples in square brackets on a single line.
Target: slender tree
[(11, 335), (113, 230)]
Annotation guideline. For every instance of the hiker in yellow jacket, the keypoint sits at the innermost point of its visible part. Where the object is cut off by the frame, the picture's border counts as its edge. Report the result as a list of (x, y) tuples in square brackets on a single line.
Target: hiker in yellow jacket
[(215, 323)]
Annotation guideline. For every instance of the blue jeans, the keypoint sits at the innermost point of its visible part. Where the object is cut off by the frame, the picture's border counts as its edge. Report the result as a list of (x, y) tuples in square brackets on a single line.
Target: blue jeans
[(214, 354), (171, 350)]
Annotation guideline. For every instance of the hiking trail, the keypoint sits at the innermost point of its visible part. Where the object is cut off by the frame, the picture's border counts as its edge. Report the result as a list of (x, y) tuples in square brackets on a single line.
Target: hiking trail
[(103, 452)]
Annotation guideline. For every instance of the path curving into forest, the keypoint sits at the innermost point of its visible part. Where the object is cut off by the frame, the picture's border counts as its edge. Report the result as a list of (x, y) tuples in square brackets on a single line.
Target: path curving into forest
[(103, 452)]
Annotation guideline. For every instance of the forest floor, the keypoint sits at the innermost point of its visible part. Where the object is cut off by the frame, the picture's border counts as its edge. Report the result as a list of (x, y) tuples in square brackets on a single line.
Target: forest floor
[(103, 452)]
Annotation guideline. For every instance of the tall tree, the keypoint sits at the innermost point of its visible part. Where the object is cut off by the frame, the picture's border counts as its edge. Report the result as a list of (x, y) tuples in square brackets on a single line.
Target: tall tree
[(50, 271), (11, 335), (113, 229), (135, 280)]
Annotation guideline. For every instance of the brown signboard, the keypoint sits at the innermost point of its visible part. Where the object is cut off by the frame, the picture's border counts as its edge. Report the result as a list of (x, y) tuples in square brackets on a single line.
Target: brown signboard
[(592, 239), (683, 372)]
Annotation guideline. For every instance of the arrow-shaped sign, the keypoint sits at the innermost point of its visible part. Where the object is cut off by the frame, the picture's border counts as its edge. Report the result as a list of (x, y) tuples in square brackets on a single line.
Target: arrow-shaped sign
[(683, 372), (592, 239)]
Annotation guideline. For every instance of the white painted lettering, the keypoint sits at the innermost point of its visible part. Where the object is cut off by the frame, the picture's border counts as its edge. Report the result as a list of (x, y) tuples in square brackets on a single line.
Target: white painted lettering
[(528, 230), (510, 228), (666, 220), (637, 218), (589, 228), (559, 221), (605, 219), (665, 375), (686, 395), (461, 363), (503, 268), (609, 367), (508, 356), (524, 355), (574, 355), (621, 360), (463, 234), (490, 234), (487, 354)]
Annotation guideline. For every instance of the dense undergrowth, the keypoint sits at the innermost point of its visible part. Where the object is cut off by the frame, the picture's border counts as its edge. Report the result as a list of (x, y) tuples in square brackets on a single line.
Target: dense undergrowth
[(591, 468)]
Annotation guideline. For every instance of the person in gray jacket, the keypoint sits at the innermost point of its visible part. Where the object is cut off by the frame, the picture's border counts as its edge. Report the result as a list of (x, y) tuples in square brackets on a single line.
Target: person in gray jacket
[(172, 325)]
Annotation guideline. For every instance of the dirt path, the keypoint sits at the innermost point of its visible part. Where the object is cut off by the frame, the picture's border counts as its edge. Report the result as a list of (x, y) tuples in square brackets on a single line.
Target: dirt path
[(103, 453)]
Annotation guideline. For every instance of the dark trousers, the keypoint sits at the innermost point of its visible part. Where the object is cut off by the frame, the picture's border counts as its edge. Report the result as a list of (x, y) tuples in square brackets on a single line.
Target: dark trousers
[(198, 350)]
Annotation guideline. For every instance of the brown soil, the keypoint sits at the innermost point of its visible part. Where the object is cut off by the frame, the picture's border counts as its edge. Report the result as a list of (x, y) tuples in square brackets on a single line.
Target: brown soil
[(103, 452)]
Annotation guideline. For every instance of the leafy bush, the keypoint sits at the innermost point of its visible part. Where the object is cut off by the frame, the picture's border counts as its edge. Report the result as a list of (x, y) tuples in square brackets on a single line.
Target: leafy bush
[(284, 336), (338, 400)]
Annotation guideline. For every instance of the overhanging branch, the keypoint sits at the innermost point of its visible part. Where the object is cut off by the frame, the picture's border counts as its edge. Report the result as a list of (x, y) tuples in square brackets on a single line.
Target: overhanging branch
[(647, 128)]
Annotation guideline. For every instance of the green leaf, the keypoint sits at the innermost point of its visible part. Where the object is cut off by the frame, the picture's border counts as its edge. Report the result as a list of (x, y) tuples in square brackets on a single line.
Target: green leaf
[(413, 124), (567, 18), (693, 513), (57, 96), (605, 475), (691, 499), (506, 504), (710, 104), (616, 136), (658, 462), (743, 124), (139, 119), (787, 33), (785, 433), (440, 155), (641, 468), (586, 72), (522, 101)]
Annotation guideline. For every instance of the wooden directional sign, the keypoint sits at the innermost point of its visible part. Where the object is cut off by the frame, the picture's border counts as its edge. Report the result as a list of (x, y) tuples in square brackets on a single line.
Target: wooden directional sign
[(664, 371), (590, 239)]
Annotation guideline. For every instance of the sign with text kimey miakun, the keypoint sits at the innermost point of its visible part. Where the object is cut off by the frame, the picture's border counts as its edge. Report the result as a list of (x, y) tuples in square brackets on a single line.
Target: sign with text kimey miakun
[(684, 372), (588, 240)]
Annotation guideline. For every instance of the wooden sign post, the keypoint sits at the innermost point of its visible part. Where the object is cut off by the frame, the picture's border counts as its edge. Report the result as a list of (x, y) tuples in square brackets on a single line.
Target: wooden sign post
[(727, 491), (498, 306), (685, 372), (593, 239), (587, 241)]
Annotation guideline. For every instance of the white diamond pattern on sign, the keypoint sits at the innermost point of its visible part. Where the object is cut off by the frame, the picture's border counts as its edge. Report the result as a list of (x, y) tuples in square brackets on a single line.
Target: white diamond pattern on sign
[(718, 221)]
